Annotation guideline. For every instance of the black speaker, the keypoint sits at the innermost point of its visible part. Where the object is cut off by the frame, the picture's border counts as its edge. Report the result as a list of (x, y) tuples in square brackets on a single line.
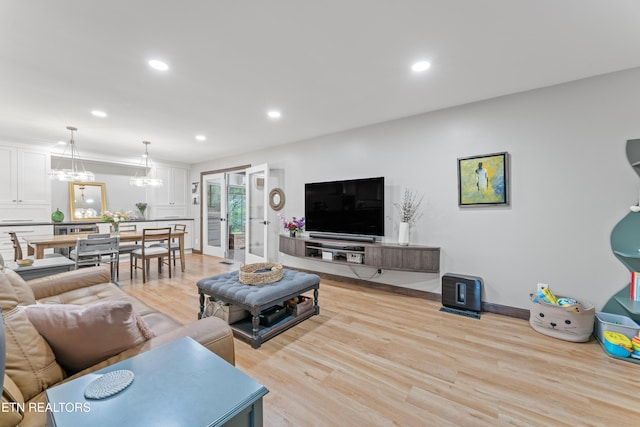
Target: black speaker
[(462, 294)]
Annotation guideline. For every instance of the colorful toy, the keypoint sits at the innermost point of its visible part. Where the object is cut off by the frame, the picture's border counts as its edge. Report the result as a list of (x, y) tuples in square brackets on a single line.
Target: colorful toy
[(545, 295), (617, 344), (566, 301), (635, 344)]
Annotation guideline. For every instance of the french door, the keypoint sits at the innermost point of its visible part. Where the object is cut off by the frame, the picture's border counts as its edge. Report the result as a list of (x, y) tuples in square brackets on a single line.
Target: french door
[(257, 185), (214, 214)]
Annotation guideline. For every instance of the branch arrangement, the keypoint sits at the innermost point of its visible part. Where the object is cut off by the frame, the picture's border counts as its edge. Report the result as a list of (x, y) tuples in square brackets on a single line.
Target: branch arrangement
[(409, 207)]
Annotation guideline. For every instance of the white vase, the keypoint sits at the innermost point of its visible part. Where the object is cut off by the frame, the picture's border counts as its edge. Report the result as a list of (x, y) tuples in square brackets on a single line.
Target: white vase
[(403, 234)]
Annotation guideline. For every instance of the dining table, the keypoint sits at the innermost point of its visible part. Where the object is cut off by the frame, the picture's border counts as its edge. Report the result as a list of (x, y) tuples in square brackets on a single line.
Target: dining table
[(36, 245)]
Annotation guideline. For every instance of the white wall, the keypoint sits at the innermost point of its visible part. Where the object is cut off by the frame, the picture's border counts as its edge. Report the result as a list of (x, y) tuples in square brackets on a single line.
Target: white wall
[(570, 184)]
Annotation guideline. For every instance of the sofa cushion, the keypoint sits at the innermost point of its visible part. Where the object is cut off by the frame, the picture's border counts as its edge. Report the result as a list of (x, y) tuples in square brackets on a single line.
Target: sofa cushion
[(30, 361), (82, 336)]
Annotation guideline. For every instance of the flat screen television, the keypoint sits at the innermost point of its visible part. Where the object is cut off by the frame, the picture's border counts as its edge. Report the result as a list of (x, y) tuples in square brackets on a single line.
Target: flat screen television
[(354, 207)]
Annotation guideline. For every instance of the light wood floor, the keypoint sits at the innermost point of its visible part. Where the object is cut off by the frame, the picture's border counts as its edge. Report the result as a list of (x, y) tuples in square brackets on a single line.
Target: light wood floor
[(373, 358)]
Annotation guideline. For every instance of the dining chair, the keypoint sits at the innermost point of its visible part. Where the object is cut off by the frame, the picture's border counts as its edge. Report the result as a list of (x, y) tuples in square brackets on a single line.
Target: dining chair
[(76, 229), (150, 248), (127, 247), (174, 244), (17, 249), (96, 250), (72, 254)]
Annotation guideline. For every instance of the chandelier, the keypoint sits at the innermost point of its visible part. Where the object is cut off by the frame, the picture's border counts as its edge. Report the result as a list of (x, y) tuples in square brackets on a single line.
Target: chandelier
[(77, 171), (148, 179)]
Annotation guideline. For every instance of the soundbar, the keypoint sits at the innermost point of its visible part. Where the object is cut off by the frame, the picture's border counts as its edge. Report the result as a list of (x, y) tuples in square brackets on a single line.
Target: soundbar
[(367, 239)]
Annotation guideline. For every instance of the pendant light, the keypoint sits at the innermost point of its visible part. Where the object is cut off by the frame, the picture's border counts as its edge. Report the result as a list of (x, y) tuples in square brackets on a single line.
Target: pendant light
[(148, 179), (77, 171)]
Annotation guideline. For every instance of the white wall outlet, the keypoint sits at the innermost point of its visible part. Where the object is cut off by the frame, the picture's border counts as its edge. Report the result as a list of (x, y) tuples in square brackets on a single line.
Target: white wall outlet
[(541, 286)]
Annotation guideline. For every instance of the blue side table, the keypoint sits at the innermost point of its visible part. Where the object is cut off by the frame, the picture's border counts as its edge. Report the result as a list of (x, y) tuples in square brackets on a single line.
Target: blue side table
[(179, 384)]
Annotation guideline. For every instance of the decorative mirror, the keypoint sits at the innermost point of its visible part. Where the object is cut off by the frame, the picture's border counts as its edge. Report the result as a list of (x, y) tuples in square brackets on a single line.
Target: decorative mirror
[(276, 199), (87, 200)]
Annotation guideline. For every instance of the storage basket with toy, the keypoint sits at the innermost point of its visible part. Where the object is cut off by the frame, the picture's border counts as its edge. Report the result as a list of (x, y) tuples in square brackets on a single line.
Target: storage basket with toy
[(299, 305), (615, 323), (227, 312), (560, 317), (618, 335)]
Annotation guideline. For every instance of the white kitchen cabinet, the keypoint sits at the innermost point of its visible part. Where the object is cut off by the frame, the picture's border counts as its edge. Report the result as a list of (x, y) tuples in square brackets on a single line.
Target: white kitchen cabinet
[(171, 198), (25, 193)]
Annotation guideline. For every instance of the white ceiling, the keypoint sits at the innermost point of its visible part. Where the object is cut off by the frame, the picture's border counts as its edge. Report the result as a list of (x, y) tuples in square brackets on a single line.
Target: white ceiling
[(328, 65)]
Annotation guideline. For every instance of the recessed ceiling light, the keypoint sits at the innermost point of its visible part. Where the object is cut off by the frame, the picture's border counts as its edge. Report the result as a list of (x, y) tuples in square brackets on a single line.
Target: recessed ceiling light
[(158, 65), (99, 113), (274, 114), (201, 137), (420, 66)]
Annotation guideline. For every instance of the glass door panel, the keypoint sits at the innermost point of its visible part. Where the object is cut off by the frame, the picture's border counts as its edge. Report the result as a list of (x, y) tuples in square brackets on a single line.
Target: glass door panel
[(257, 203), (214, 215)]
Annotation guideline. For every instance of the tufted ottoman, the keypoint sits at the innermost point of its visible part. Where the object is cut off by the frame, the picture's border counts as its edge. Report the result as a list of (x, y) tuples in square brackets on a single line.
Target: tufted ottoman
[(258, 298)]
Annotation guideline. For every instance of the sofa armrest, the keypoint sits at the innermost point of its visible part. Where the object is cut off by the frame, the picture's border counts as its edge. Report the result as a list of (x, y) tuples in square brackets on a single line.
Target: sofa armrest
[(12, 404), (56, 284)]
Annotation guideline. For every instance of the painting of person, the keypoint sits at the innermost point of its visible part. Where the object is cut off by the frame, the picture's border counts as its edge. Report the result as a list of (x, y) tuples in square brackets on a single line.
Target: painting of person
[(482, 179)]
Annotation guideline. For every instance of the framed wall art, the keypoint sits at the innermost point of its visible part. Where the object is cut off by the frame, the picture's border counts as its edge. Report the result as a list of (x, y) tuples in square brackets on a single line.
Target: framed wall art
[(194, 193), (483, 180)]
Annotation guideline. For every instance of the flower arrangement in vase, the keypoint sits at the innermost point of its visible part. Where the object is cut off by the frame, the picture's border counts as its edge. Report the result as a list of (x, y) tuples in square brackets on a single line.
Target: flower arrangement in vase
[(142, 206), (115, 218), (293, 226), (408, 214)]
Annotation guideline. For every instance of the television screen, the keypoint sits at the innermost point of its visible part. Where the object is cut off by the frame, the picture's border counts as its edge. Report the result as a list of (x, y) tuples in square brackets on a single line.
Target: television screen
[(353, 206)]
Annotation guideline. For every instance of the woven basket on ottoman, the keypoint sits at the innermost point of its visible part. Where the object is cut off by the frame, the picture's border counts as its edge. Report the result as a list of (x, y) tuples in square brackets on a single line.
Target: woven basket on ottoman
[(260, 298), (261, 273)]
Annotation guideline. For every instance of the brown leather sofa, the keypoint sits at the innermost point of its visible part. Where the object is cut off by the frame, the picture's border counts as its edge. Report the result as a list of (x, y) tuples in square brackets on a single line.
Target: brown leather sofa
[(23, 405)]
